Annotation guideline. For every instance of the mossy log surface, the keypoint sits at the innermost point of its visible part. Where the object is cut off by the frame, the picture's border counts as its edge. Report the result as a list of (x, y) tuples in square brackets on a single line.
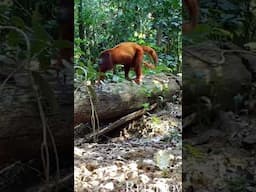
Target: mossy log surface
[(114, 100)]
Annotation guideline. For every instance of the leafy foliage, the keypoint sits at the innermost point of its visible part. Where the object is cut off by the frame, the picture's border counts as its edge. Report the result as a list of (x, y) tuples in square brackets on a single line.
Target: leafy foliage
[(38, 21), (229, 20)]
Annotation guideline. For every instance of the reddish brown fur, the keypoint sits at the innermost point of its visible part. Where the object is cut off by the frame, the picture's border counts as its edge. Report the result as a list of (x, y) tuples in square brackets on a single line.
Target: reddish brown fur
[(193, 10), (128, 54)]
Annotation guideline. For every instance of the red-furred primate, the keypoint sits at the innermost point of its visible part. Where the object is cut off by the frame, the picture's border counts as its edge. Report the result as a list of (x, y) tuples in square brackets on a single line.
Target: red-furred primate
[(131, 54), (128, 54), (193, 10)]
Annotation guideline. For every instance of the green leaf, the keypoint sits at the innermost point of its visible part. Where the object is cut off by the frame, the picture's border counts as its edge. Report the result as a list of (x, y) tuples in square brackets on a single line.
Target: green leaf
[(40, 33), (223, 32), (146, 105), (13, 38), (156, 120), (193, 151), (18, 22), (40, 38), (37, 46)]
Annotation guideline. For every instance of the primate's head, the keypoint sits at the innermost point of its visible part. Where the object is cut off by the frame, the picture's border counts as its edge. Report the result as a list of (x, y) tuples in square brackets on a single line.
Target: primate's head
[(105, 62)]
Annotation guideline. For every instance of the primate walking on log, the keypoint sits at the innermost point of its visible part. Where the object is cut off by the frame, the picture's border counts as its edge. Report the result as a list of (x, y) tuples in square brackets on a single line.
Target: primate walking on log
[(131, 54), (128, 54)]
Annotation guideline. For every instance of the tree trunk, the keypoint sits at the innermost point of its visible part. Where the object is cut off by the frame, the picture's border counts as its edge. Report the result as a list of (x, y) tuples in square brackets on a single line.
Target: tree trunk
[(81, 24)]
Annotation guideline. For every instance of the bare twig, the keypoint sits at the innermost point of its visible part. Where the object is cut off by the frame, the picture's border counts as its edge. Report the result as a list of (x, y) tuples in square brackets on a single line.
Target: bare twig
[(120, 122), (94, 116), (44, 146)]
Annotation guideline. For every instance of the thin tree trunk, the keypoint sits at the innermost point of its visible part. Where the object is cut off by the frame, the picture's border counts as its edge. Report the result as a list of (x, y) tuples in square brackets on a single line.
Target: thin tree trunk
[(81, 24)]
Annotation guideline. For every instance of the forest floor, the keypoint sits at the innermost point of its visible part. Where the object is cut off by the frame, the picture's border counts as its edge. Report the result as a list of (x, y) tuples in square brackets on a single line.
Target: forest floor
[(145, 155), (221, 156)]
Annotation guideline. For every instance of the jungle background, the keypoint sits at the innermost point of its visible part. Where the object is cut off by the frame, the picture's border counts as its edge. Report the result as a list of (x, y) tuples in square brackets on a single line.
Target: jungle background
[(229, 20), (126, 116), (210, 107), (102, 24)]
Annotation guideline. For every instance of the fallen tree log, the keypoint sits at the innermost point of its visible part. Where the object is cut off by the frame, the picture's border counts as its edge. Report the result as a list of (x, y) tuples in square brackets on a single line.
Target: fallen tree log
[(216, 70), (21, 132), (116, 124), (111, 101)]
